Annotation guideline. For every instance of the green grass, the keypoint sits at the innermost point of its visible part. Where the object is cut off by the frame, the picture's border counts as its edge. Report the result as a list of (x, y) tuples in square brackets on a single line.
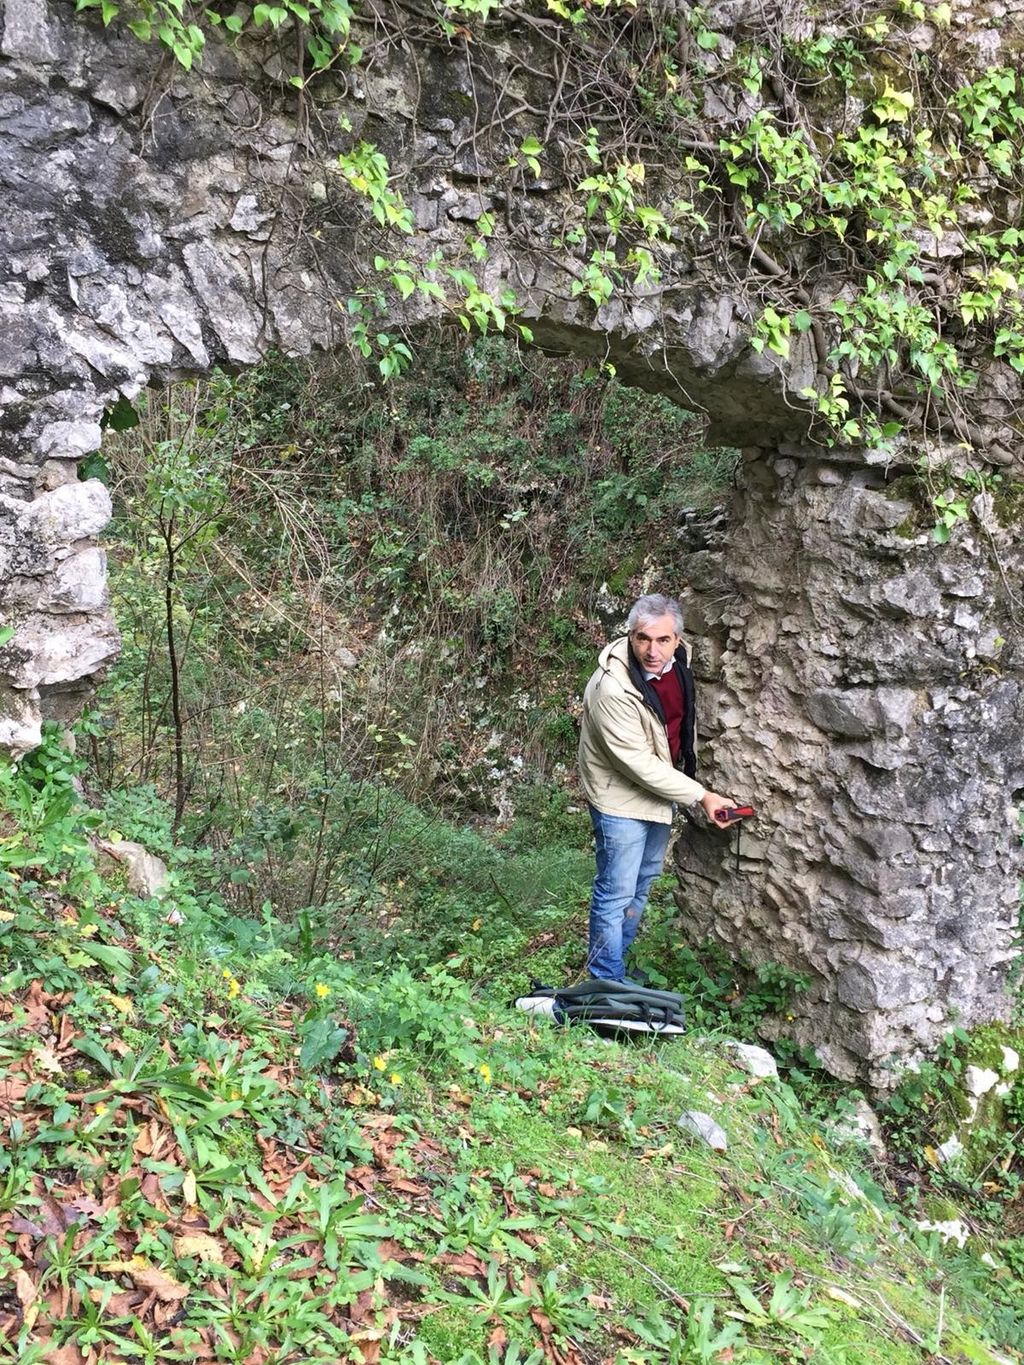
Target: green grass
[(225, 1139)]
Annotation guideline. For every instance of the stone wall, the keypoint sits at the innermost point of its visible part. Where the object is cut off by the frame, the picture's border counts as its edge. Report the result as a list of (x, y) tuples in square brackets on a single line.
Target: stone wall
[(156, 224), (866, 693)]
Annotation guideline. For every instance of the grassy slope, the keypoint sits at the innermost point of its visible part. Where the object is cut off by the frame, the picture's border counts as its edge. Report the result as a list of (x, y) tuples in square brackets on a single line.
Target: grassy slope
[(208, 1157)]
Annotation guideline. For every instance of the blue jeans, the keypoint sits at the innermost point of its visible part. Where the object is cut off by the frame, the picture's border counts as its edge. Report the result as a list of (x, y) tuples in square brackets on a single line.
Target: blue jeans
[(630, 854)]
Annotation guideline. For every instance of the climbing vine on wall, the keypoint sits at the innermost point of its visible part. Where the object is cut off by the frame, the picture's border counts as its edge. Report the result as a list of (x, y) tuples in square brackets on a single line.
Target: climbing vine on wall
[(182, 27), (854, 175)]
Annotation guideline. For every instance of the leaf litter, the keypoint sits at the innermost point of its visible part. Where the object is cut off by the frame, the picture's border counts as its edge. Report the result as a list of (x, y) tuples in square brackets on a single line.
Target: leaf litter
[(143, 1224)]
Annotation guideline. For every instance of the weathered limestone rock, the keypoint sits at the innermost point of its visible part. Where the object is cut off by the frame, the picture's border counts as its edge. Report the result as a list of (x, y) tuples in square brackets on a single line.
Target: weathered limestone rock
[(851, 703), (979, 1080), (861, 1125), (145, 873), (755, 1061), (703, 1128)]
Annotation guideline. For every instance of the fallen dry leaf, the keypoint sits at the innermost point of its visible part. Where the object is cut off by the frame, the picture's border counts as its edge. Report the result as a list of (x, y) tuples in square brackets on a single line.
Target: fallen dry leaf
[(13, 1088), (201, 1245), (403, 1186), (147, 1139), (394, 1251), (463, 1263), (117, 1305), (68, 1033), (361, 1178), (148, 1277), (49, 1221), (68, 1354), (85, 1207), (47, 1060), (378, 1121), (34, 1003), (25, 1288)]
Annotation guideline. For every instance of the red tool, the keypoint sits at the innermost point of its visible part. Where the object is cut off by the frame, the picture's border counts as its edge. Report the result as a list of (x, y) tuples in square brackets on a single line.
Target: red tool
[(726, 813)]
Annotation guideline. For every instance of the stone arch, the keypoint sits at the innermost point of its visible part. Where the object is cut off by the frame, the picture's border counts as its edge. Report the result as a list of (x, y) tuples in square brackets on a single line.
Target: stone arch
[(156, 224)]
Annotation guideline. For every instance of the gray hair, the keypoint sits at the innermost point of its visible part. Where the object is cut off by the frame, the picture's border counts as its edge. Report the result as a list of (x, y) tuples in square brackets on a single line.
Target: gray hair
[(650, 607)]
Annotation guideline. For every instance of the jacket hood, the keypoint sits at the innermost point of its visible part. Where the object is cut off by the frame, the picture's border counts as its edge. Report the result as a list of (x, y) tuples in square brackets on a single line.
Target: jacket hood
[(614, 658)]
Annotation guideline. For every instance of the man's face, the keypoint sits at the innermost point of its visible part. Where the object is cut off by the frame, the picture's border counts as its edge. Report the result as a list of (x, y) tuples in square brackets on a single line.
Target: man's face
[(654, 643)]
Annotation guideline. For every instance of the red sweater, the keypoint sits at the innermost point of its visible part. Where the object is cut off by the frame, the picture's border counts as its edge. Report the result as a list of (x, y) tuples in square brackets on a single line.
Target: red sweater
[(670, 694)]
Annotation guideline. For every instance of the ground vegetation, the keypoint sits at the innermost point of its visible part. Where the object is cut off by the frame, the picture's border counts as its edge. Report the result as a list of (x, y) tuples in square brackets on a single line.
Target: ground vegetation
[(224, 1142)]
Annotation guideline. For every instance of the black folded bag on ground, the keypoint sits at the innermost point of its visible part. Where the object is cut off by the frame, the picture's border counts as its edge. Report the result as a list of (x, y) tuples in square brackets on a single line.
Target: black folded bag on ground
[(609, 1006)]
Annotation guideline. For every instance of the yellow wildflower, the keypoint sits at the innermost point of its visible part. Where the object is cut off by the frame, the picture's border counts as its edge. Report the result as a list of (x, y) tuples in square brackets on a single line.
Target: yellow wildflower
[(226, 974), (234, 989), (395, 1078), (322, 991), (476, 925), (379, 1064), (485, 1071), (100, 1110)]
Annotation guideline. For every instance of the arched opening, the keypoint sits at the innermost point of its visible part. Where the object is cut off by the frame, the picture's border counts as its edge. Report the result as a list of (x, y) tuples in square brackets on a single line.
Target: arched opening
[(333, 593)]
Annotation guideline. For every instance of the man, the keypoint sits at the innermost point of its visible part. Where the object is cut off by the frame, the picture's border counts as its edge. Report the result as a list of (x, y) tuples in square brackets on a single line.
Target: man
[(637, 762)]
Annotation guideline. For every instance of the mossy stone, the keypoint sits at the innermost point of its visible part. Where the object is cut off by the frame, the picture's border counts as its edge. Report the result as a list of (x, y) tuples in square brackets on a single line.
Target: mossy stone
[(985, 1048)]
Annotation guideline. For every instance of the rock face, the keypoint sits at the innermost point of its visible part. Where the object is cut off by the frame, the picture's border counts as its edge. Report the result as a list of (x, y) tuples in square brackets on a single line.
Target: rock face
[(865, 690), (157, 224)]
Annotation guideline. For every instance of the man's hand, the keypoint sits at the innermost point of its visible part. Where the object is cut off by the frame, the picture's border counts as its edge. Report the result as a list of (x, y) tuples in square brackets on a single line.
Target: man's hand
[(712, 802)]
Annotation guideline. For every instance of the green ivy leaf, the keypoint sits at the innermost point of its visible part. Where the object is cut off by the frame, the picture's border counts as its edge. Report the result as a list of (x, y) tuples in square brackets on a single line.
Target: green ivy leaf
[(121, 417)]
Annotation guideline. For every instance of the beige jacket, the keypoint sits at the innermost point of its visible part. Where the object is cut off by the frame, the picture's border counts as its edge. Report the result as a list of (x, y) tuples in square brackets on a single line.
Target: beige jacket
[(624, 758)]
